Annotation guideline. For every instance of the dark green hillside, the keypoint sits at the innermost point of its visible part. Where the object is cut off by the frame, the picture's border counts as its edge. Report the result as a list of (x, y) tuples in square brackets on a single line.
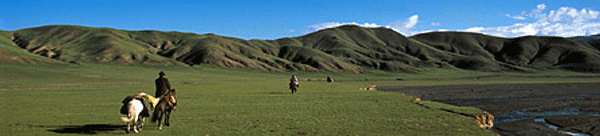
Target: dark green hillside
[(524, 53), (595, 44), (586, 38), (467, 50), (11, 53), (346, 48), (83, 44), (369, 48), (550, 52)]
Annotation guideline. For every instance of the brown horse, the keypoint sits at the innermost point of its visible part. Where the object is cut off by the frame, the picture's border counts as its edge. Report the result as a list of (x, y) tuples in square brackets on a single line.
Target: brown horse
[(293, 87), (165, 105), (294, 84)]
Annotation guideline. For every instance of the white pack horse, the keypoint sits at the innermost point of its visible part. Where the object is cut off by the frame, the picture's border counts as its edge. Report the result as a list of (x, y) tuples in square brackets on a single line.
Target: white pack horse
[(136, 111)]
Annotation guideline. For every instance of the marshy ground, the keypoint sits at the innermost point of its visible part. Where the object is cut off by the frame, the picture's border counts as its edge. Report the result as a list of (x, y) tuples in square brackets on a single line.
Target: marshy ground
[(573, 107)]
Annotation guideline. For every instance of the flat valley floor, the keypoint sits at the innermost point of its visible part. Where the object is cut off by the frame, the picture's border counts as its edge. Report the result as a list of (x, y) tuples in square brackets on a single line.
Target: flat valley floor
[(548, 100)]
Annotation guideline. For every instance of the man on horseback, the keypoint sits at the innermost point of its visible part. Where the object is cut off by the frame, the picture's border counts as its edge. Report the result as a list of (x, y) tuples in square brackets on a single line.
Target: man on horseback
[(294, 80), (167, 100), (162, 85), (294, 84), (166, 104)]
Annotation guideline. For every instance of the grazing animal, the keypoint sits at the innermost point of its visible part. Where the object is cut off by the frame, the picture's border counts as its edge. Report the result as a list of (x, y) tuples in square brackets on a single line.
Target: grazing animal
[(416, 99), (485, 121), (369, 88), (329, 79), (166, 104), (136, 111)]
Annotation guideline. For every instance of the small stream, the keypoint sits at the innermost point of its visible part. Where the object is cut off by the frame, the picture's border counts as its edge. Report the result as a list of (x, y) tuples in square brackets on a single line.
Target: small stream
[(539, 118), (552, 97), (530, 94), (543, 121), (520, 115)]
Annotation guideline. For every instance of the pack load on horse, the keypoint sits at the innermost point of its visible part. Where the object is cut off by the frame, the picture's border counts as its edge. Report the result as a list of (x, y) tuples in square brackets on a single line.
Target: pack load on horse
[(136, 108), (294, 84), (151, 99), (166, 104)]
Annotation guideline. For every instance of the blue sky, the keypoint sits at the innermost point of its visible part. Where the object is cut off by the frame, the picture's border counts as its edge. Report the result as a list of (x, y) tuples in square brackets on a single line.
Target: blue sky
[(272, 19)]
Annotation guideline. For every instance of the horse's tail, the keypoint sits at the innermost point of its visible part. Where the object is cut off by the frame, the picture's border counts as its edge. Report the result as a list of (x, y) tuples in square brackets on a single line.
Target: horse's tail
[(131, 113), (125, 119)]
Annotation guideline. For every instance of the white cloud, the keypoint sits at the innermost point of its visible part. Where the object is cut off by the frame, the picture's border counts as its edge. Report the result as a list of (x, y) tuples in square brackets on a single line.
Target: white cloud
[(537, 12), (411, 22), (565, 22), (568, 14), (518, 17), (406, 26)]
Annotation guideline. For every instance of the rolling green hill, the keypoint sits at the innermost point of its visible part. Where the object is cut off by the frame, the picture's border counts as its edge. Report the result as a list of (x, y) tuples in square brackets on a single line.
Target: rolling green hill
[(345, 48), (586, 38), (528, 53), (11, 53)]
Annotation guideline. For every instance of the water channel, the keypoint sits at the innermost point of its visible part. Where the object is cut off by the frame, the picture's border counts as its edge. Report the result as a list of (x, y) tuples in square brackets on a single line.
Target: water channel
[(538, 116), (516, 102)]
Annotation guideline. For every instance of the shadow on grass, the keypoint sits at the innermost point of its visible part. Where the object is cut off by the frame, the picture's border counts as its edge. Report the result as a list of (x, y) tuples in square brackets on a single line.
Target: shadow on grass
[(278, 92), (85, 129)]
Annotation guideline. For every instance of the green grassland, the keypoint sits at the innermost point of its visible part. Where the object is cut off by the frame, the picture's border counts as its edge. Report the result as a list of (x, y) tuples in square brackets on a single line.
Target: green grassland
[(57, 99), (52, 100), (65, 79)]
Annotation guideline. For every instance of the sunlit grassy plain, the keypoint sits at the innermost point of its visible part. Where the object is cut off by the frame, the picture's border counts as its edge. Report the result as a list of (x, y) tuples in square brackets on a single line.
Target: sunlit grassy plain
[(54, 100)]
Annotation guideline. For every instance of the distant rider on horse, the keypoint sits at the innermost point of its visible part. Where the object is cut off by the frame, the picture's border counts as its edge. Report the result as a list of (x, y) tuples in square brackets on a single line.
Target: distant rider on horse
[(294, 84), (294, 80)]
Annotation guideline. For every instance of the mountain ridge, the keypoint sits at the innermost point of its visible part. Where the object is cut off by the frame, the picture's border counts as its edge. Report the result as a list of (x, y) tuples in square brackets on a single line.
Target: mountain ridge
[(346, 48), (586, 38)]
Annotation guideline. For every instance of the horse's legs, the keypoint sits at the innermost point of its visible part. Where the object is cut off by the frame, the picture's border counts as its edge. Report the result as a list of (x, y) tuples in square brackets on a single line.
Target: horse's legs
[(141, 123), (159, 119), (135, 123), (167, 118), (128, 127)]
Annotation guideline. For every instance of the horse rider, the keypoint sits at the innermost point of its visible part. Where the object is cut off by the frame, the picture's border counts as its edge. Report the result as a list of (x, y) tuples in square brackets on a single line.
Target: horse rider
[(162, 85)]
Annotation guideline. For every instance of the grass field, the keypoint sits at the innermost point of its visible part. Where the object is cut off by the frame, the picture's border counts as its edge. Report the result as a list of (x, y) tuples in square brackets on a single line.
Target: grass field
[(54, 100)]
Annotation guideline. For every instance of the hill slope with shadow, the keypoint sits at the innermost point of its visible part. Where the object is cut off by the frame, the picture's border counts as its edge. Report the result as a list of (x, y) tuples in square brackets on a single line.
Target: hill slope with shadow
[(342, 49), (528, 53)]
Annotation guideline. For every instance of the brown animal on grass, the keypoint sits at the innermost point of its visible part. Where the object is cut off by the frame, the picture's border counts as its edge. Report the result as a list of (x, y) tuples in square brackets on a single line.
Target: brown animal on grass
[(416, 99), (485, 121), (369, 88), (294, 84), (166, 104), (294, 87)]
